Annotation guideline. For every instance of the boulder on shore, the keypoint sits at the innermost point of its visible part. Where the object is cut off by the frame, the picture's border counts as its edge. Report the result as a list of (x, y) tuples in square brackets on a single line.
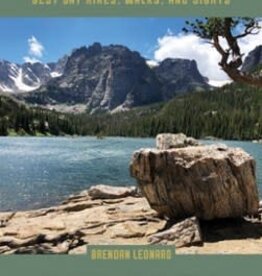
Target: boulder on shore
[(208, 182), (184, 233), (169, 141), (111, 192)]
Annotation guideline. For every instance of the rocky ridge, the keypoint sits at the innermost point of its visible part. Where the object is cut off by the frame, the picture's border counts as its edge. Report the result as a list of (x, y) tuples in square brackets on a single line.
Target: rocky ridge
[(253, 60), (106, 79), (113, 78), (179, 76), (16, 78)]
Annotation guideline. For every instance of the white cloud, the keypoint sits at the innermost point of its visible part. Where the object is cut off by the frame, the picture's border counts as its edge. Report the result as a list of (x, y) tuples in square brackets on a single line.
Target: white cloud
[(36, 48), (219, 83), (190, 46)]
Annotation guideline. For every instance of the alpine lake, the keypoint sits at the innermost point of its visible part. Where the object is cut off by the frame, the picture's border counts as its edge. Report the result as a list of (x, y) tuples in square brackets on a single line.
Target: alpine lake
[(41, 172)]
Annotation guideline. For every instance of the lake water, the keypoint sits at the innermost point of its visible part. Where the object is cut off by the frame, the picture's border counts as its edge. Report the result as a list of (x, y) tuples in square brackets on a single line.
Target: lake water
[(40, 172)]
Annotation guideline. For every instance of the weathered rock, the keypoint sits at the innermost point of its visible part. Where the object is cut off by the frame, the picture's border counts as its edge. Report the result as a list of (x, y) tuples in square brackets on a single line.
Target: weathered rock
[(168, 141), (130, 220), (80, 220), (127, 230), (4, 249), (4, 218), (110, 192), (184, 233), (81, 250), (206, 181)]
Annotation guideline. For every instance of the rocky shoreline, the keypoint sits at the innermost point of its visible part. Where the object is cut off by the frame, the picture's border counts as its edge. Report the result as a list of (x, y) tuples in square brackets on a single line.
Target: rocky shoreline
[(106, 215), (202, 199), (113, 216)]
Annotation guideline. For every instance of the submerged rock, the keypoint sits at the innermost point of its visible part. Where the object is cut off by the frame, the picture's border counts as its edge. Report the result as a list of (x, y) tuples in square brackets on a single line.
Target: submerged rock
[(168, 141), (257, 141), (208, 182)]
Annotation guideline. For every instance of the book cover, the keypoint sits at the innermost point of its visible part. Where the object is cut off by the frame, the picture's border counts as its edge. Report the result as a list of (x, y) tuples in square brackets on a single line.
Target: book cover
[(130, 137)]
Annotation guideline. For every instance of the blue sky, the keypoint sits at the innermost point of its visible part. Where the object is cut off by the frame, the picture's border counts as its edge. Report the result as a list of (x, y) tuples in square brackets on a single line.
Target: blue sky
[(60, 35)]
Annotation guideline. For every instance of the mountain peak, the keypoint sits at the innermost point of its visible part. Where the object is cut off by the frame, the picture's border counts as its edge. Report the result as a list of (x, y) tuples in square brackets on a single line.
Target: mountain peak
[(92, 50), (106, 78), (253, 60), (180, 76), (27, 77)]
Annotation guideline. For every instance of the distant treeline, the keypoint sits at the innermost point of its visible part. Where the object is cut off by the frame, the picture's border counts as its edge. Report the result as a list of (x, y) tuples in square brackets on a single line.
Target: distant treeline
[(231, 112), (19, 119)]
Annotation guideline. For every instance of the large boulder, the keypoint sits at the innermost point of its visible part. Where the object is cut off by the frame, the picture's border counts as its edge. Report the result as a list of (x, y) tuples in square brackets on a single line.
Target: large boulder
[(208, 182), (169, 141)]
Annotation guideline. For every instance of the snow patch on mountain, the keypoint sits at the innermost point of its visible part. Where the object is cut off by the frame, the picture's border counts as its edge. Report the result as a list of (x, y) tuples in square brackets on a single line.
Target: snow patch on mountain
[(5, 88), (20, 85), (152, 63), (27, 77), (55, 74)]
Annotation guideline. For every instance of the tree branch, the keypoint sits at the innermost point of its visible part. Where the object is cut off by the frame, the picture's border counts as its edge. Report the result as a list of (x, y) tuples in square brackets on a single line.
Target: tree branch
[(232, 58)]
